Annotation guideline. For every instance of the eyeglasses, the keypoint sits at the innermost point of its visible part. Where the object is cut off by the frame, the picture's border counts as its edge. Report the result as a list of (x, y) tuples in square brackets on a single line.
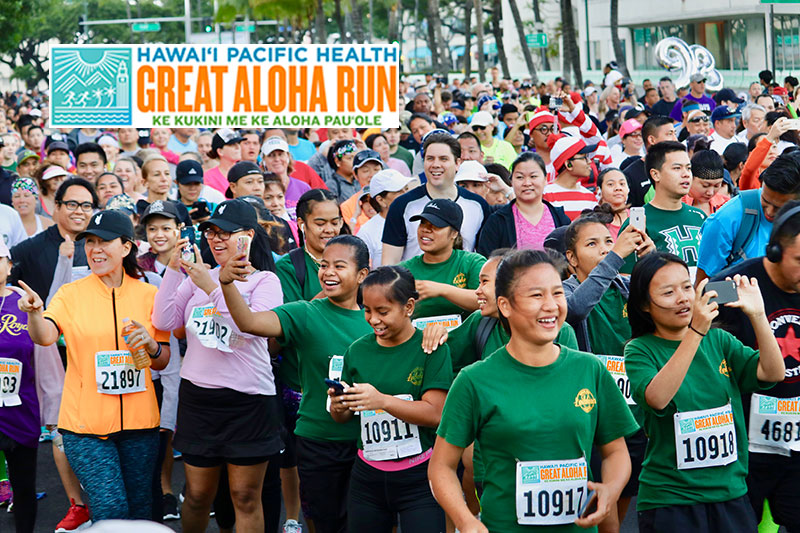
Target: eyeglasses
[(545, 130), (634, 134), (478, 128), (698, 119), (72, 205), (582, 157), (209, 234)]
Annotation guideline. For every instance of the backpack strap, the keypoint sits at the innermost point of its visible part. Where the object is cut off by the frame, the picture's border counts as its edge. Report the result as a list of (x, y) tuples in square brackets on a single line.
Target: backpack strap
[(297, 257), (485, 327), (751, 200)]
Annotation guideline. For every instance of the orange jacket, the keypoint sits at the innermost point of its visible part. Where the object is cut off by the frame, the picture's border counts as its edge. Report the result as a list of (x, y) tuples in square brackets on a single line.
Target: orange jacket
[(90, 315), (749, 177)]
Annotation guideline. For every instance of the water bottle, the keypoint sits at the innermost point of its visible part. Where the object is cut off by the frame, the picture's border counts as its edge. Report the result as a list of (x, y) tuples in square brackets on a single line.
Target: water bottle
[(141, 359)]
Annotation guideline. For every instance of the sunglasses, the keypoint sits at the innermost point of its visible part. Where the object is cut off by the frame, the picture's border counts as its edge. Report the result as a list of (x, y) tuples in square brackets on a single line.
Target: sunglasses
[(478, 128), (698, 119)]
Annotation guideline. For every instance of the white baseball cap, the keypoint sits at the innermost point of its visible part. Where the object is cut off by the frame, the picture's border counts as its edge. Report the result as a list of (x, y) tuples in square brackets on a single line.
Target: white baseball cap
[(471, 171), (4, 252), (388, 180), (272, 144), (482, 118)]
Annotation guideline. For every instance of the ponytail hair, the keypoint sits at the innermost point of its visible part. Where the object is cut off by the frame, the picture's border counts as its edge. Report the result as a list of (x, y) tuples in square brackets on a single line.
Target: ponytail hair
[(398, 282), (359, 249), (511, 267)]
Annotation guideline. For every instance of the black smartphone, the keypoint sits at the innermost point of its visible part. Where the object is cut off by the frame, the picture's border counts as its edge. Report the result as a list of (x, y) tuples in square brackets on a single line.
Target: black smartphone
[(589, 505), (336, 385), (201, 210), (726, 291)]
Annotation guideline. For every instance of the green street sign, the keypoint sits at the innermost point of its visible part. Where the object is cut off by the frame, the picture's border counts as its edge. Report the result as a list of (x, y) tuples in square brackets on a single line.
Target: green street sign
[(250, 27), (536, 40), (146, 26)]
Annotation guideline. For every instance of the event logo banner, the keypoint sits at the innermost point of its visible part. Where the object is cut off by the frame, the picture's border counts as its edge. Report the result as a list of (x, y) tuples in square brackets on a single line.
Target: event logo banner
[(225, 86)]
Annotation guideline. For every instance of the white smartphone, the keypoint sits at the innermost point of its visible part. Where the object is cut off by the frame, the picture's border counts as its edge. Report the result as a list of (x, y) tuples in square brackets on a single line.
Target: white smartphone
[(794, 123), (243, 246), (637, 218)]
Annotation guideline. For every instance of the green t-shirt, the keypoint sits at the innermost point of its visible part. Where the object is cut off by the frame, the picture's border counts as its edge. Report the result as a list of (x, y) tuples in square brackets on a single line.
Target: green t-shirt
[(292, 292), (607, 324), (722, 370), (460, 270), (403, 369), (317, 331), (676, 232), (461, 340), (502, 153), (518, 412), (405, 156), (11, 168)]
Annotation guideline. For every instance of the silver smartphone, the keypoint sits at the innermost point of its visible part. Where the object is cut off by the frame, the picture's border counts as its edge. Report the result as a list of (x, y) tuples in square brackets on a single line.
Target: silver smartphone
[(637, 218)]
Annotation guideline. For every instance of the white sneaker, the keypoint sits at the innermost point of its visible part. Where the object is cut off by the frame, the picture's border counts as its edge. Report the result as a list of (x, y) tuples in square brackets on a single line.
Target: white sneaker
[(292, 526)]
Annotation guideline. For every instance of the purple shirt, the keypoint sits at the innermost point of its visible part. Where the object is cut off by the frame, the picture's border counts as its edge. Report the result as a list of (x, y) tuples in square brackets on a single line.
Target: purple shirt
[(293, 193), (21, 423), (706, 104)]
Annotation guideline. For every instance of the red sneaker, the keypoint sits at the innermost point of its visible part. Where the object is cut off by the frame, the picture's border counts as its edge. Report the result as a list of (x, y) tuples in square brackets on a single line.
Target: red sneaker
[(77, 518)]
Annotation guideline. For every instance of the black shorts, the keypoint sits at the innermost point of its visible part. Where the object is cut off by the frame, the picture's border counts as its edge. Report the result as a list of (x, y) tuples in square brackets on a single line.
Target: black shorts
[(637, 445), (732, 516), (324, 469), (774, 478), (224, 424), (210, 462)]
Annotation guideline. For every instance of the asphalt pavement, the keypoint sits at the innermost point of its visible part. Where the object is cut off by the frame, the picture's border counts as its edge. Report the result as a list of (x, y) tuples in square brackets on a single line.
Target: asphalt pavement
[(54, 505)]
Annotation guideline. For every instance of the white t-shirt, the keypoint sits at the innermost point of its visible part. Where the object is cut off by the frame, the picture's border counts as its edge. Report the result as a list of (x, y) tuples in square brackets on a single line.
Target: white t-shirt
[(371, 233), (719, 143), (12, 231)]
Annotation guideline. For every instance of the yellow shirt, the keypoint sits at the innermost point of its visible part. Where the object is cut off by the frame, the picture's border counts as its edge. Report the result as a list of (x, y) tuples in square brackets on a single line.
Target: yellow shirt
[(90, 315)]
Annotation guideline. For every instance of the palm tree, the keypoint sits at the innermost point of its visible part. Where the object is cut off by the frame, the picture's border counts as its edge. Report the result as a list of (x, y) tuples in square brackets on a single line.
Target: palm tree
[(319, 21), (356, 19), (479, 23), (441, 48), (619, 53), (467, 38), (337, 15), (497, 31), (526, 52), (572, 54)]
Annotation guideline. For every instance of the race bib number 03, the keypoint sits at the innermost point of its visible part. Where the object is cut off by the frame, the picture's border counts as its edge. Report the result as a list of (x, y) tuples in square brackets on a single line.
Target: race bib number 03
[(10, 382), (774, 425), (210, 328), (705, 438), (450, 322), (116, 374), (615, 364), (550, 492), (386, 437)]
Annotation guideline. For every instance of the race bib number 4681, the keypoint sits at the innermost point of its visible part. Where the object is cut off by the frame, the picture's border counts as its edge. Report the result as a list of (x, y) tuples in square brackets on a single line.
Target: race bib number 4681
[(550, 492), (774, 425)]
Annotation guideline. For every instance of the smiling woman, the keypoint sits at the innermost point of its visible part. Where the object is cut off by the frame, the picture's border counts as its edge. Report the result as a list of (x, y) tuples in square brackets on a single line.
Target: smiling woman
[(563, 388)]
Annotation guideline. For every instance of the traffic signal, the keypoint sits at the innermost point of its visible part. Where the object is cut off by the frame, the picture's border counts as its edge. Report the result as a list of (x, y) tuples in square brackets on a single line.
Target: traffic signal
[(207, 26), (81, 24)]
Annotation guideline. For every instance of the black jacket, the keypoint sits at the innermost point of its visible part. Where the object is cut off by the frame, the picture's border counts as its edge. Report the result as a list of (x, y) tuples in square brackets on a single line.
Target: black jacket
[(35, 260), (499, 230)]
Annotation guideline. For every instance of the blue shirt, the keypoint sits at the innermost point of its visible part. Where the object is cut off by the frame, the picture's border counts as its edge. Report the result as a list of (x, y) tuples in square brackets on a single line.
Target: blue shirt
[(303, 150), (720, 229), (175, 146)]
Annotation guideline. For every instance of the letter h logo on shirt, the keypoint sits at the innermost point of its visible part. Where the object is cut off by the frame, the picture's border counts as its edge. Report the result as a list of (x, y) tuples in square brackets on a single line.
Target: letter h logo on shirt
[(683, 242)]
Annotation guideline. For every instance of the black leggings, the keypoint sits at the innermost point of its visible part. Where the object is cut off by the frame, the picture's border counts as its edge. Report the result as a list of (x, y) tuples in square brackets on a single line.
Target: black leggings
[(225, 514), (22, 475), (376, 497)]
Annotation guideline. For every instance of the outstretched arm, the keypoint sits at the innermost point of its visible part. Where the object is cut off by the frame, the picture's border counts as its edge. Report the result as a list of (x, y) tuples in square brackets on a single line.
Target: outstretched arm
[(263, 323)]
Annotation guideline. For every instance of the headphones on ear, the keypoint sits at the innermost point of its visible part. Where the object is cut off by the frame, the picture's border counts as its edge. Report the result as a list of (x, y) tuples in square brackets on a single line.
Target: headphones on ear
[(774, 248)]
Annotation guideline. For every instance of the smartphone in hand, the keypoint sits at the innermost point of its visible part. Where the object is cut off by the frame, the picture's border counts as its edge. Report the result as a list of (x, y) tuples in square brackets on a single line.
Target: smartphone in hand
[(589, 505), (637, 218), (336, 385), (726, 291)]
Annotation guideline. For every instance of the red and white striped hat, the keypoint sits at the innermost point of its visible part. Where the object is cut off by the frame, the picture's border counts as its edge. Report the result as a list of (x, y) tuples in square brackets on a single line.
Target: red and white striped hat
[(563, 148), (541, 116)]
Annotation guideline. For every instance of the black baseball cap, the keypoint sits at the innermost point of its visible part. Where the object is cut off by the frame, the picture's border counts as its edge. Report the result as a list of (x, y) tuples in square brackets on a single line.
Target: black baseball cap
[(365, 156), (222, 138), (161, 208), (242, 169), (728, 95), (58, 141), (441, 213), (232, 215), (109, 225), (189, 171)]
